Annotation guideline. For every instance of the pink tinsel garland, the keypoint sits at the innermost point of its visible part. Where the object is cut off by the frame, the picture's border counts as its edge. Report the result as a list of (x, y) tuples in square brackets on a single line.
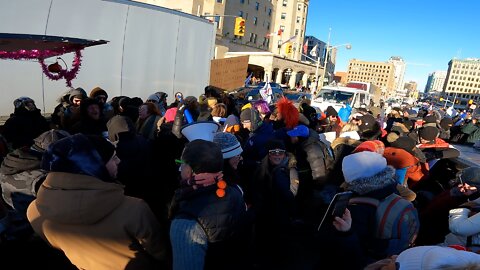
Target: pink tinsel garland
[(68, 75)]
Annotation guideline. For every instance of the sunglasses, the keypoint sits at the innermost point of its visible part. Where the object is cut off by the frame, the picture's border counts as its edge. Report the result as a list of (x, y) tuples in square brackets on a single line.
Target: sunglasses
[(276, 152)]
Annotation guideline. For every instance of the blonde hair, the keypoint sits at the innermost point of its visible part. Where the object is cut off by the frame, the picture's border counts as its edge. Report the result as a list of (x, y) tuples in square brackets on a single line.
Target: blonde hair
[(349, 127)]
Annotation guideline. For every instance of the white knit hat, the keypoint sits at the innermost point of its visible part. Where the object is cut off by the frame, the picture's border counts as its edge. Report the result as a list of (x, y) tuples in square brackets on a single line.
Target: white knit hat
[(229, 144), (362, 165), (436, 257)]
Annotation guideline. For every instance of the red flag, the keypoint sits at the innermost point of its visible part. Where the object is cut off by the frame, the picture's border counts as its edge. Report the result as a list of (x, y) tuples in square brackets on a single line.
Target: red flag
[(305, 47), (280, 31)]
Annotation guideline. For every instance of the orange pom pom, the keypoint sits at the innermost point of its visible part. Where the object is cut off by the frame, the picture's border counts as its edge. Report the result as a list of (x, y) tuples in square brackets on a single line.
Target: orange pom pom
[(220, 193), (221, 184)]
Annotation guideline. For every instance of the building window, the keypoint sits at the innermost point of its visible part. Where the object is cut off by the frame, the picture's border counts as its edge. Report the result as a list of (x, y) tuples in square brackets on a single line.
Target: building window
[(298, 19), (283, 16), (242, 1), (240, 14), (285, 2), (255, 20), (299, 7), (217, 20), (268, 25), (257, 5), (296, 32), (269, 12), (282, 27), (219, 1), (246, 16)]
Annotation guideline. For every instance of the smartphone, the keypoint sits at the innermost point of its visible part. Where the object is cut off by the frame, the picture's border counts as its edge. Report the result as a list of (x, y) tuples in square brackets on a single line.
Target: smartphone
[(337, 207)]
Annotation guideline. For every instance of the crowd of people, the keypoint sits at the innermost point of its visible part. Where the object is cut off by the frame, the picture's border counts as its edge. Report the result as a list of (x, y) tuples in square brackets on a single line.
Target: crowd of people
[(213, 183)]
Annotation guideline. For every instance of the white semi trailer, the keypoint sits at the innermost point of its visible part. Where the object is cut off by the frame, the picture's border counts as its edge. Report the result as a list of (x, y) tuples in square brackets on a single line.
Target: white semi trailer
[(149, 49)]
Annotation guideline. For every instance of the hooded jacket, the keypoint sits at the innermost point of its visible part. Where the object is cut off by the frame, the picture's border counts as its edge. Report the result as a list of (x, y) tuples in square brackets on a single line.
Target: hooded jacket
[(90, 220)]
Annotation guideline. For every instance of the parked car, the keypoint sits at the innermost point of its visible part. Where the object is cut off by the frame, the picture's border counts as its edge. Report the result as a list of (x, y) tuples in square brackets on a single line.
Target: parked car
[(296, 97)]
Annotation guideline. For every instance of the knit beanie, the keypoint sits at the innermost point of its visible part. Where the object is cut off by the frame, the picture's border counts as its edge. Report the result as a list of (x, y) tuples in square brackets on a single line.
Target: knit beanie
[(246, 115), (428, 133), (436, 257), (22, 102), (331, 111), (228, 143), (375, 146), (41, 143), (362, 165), (104, 148)]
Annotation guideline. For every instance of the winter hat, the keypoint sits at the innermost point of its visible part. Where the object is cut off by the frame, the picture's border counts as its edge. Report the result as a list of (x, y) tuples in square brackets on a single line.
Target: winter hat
[(273, 144), (436, 257), (430, 119), (428, 133), (97, 91), (228, 143), (446, 123), (471, 175), (362, 165), (22, 102), (368, 122), (299, 131), (331, 111), (375, 146), (41, 143), (104, 148), (246, 115), (170, 114), (406, 143)]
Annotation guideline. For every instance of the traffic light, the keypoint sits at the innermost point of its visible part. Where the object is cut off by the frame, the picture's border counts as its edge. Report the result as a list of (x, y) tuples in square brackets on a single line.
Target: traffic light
[(239, 26), (289, 48)]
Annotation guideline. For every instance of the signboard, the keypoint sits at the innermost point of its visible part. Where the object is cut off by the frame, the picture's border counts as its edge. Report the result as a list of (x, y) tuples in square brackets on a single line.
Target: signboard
[(229, 73)]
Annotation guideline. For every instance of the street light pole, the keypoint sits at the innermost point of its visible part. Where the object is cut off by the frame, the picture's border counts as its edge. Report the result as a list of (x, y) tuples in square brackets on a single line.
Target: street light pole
[(326, 57)]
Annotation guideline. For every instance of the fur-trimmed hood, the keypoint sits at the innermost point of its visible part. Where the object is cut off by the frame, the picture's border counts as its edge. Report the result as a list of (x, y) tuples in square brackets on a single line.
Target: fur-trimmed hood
[(379, 181)]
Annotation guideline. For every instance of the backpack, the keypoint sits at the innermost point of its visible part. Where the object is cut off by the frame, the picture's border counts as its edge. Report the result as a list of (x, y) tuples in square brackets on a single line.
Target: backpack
[(396, 220)]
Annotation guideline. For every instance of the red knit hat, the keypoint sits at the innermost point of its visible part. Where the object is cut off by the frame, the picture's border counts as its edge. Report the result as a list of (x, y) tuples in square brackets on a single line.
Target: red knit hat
[(371, 146)]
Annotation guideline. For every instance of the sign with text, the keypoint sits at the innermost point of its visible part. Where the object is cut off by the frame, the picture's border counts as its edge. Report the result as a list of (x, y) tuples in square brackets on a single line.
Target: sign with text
[(229, 73)]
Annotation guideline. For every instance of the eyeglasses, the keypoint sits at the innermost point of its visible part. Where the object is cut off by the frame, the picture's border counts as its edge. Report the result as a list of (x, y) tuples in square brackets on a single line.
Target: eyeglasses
[(276, 152)]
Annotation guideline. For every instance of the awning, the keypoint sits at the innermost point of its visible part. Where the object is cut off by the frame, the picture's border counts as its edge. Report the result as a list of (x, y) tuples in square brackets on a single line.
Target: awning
[(24, 46)]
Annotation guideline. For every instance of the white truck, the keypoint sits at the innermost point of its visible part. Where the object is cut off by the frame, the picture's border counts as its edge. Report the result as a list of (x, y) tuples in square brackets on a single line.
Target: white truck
[(149, 49), (340, 96)]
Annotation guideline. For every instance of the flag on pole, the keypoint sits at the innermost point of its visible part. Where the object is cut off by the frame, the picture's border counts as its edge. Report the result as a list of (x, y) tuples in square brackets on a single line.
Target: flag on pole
[(313, 52), (280, 32), (305, 47), (266, 93), (290, 39), (248, 79)]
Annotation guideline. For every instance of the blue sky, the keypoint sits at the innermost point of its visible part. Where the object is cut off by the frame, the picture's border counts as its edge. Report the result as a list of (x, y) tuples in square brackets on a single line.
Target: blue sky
[(427, 34)]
